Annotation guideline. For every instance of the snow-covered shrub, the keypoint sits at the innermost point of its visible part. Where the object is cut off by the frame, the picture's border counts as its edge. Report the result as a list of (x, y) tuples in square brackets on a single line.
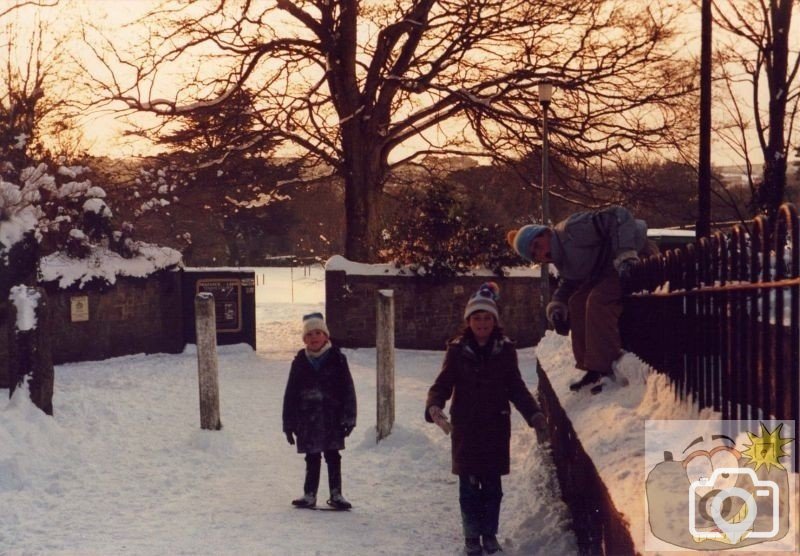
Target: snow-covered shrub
[(160, 186), (61, 208)]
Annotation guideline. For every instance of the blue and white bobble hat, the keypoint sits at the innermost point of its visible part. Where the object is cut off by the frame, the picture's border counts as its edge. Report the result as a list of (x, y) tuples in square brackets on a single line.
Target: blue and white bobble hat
[(485, 299), (522, 240), (315, 321)]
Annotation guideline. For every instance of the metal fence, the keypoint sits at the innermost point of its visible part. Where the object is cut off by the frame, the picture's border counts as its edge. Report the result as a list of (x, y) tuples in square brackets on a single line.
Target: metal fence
[(721, 318)]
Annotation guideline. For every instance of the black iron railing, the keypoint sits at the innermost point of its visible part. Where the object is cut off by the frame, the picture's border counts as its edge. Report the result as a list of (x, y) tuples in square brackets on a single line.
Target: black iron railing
[(722, 319)]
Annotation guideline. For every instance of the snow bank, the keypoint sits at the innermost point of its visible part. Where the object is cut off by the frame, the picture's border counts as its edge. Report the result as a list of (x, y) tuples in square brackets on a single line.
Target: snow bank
[(32, 448), (611, 425)]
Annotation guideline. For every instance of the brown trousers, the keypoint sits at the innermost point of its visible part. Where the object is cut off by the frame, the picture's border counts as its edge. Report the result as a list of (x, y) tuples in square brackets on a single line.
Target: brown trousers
[(594, 312)]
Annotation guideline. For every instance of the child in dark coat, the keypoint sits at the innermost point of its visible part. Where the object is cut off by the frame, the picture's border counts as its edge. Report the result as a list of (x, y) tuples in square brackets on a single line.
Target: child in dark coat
[(481, 374), (319, 409)]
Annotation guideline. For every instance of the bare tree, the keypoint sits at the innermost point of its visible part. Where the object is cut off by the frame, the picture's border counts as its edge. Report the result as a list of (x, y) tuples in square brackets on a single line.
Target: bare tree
[(349, 82), (37, 113), (14, 5), (758, 55)]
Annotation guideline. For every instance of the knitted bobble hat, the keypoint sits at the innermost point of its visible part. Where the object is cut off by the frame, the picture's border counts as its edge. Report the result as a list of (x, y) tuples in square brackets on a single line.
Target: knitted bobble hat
[(315, 321), (485, 299), (522, 239)]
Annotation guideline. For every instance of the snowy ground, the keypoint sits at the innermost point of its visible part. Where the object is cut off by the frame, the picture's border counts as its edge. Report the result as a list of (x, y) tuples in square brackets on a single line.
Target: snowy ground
[(123, 467)]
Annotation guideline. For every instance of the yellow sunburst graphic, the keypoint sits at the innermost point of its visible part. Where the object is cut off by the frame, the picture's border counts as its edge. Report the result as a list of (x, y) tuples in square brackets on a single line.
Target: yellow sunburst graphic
[(766, 448)]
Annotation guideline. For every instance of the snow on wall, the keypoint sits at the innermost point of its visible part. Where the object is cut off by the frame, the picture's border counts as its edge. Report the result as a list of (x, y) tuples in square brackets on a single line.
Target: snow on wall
[(107, 265), (337, 262)]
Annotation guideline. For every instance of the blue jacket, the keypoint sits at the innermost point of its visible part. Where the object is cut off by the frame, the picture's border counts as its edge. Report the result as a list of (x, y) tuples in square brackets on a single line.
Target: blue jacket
[(587, 245)]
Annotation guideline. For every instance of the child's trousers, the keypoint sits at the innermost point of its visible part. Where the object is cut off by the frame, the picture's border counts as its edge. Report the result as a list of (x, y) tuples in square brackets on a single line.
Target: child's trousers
[(313, 464), (480, 498), (594, 312)]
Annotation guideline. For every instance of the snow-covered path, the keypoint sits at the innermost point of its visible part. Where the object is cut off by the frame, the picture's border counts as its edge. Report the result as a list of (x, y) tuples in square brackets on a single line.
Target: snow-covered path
[(123, 468)]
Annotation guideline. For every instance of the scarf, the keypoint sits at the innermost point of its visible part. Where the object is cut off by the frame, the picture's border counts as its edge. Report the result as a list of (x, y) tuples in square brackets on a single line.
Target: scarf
[(317, 357)]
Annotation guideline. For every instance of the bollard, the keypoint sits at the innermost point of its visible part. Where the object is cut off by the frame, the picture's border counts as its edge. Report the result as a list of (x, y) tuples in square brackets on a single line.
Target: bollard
[(207, 373), (384, 347)]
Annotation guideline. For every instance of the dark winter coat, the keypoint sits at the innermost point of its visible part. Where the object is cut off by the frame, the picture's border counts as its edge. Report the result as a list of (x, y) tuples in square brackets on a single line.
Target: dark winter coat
[(319, 404), (481, 388)]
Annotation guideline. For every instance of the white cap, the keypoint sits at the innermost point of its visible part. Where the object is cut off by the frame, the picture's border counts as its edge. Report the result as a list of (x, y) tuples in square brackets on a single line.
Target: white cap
[(315, 321)]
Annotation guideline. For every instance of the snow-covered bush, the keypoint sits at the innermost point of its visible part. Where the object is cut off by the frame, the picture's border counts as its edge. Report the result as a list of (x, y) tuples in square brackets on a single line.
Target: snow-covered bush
[(59, 215), (62, 209)]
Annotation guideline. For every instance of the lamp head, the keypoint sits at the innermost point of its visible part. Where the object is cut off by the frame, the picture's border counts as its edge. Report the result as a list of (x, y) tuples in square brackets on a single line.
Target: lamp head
[(545, 92)]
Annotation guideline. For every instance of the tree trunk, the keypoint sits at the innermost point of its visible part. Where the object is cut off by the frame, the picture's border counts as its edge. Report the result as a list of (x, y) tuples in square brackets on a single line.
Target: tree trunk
[(772, 190), (363, 183)]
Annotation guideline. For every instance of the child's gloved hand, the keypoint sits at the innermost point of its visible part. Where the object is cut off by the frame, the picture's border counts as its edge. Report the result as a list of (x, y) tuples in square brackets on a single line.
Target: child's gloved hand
[(290, 437), (347, 428), (557, 313), (440, 419), (624, 263), (626, 268), (539, 423)]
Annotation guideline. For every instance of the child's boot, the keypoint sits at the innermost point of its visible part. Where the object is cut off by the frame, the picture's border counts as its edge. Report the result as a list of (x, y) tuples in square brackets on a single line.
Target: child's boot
[(589, 377), (606, 381), (490, 544), (472, 546), (338, 501), (309, 498), (335, 482)]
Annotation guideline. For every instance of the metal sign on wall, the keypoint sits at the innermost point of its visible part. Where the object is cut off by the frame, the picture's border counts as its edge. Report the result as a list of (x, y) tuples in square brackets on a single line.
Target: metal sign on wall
[(79, 308), (234, 303), (227, 302)]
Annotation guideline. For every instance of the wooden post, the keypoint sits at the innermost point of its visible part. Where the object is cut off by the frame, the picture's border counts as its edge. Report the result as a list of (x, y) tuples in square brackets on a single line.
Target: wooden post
[(206, 330), (384, 347), (30, 352)]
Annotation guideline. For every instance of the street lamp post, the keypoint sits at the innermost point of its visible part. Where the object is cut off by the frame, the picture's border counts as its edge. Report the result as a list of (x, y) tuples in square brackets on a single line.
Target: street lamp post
[(545, 94)]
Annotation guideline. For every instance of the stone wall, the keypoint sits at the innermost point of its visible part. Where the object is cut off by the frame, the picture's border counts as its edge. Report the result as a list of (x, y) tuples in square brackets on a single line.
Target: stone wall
[(426, 314), (135, 315), (598, 526)]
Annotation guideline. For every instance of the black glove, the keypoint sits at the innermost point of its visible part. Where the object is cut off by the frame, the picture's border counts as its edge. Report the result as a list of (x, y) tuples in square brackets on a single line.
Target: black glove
[(561, 324), (347, 428), (290, 437), (626, 268), (558, 315)]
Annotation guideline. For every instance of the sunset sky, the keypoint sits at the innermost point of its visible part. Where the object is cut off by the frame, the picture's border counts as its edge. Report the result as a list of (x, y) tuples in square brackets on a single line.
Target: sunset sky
[(119, 20)]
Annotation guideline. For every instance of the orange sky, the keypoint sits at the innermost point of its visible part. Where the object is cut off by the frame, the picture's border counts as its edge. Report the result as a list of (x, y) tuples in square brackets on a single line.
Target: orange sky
[(104, 132)]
